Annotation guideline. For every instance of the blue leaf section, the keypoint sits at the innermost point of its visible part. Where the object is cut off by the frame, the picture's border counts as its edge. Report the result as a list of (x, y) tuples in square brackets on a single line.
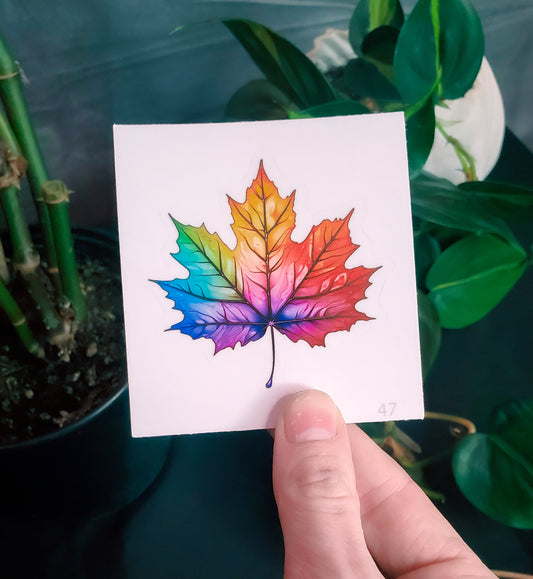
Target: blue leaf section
[(226, 323)]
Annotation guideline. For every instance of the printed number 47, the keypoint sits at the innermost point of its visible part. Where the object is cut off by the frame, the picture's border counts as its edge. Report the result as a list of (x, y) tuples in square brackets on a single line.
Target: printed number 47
[(387, 409)]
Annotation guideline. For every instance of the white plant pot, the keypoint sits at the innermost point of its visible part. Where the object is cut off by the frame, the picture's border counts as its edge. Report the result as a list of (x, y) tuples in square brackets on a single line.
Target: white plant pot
[(476, 120)]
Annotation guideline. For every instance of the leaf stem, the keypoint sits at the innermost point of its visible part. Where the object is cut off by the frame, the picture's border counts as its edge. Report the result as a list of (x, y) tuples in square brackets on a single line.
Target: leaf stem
[(467, 162), (435, 20), (423, 463), (464, 422), (511, 574), (269, 381)]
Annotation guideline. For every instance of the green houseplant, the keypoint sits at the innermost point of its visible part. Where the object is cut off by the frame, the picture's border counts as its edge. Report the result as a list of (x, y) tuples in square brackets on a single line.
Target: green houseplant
[(468, 253), (64, 415)]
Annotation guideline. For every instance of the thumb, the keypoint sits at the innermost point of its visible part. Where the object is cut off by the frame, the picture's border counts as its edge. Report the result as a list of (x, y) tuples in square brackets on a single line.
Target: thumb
[(314, 485)]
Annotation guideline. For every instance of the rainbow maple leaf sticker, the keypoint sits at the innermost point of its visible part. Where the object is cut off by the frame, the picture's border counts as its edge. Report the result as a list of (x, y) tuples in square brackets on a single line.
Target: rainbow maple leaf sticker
[(302, 290)]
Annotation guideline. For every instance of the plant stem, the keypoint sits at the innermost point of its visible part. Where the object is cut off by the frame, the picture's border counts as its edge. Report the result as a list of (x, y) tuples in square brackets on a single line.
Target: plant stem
[(25, 257), (19, 322), (23, 250), (11, 156), (435, 20), (464, 422), (4, 269), (467, 162), (511, 575), (423, 463), (12, 96), (55, 194)]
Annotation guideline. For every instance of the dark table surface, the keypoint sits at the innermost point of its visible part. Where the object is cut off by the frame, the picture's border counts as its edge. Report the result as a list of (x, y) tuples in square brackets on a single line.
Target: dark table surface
[(211, 511)]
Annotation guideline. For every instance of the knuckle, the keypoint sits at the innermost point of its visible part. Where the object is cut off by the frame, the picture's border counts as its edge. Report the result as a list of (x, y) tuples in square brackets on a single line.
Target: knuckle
[(323, 483)]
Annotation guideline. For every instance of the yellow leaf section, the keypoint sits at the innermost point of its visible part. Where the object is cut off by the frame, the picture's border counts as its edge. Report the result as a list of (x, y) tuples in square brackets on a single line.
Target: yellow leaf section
[(262, 224), (264, 221)]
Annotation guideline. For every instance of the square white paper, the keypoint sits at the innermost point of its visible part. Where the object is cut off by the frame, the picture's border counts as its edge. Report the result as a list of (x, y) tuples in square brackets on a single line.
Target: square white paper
[(335, 165)]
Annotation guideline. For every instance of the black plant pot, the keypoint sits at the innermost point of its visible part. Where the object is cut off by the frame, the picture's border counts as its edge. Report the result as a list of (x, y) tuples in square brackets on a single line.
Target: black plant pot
[(86, 469)]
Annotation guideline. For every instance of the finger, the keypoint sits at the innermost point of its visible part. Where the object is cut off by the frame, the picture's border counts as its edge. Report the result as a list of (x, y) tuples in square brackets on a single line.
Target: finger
[(405, 533), (314, 485)]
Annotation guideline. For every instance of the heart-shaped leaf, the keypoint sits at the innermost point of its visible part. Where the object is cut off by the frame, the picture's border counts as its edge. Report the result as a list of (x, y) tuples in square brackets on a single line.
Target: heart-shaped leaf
[(471, 277), (495, 470), (462, 45), (416, 70), (451, 35), (282, 63)]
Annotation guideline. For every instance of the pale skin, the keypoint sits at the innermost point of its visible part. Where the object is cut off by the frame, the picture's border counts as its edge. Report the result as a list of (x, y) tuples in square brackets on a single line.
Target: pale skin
[(347, 509)]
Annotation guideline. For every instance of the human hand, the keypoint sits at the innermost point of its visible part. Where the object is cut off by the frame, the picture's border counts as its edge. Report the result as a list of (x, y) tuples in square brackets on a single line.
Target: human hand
[(347, 509)]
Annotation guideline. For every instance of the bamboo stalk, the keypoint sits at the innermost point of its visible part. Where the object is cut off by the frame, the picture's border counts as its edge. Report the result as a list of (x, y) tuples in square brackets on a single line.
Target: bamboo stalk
[(23, 249), (25, 257), (4, 269), (11, 93), (19, 322), (55, 194)]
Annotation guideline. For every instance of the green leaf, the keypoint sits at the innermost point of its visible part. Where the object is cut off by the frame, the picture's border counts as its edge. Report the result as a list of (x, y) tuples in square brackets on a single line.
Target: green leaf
[(361, 79), (471, 277), (258, 100), (282, 63), (416, 68), (370, 15), (335, 109), (514, 194), (462, 45), (430, 332), (379, 45), (495, 470), (420, 136), (507, 201), (440, 201), (427, 249), (440, 48), (445, 236)]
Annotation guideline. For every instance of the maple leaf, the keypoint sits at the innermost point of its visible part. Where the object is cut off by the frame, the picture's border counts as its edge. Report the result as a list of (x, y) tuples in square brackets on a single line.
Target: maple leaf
[(302, 290)]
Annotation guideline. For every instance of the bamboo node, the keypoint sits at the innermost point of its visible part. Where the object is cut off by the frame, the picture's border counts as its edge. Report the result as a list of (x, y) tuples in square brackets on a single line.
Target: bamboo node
[(55, 192), (31, 262), (10, 75)]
